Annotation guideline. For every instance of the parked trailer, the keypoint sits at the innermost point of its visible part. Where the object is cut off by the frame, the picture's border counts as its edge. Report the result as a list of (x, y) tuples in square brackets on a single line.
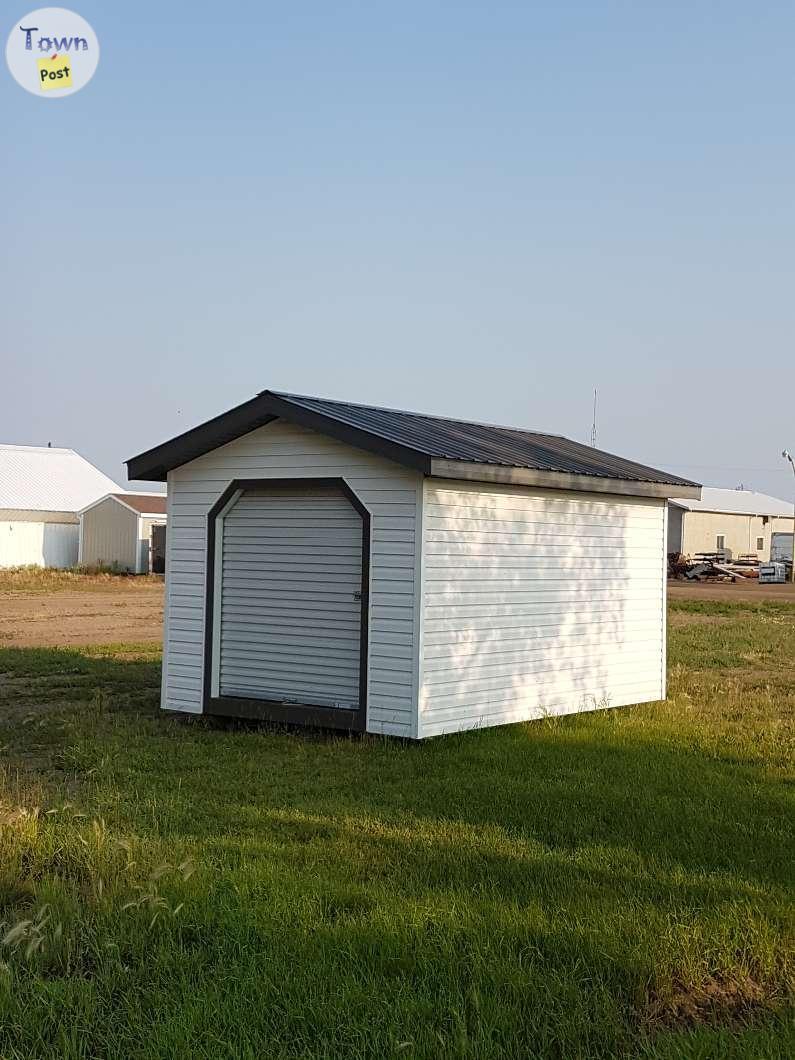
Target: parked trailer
[(772, 573)]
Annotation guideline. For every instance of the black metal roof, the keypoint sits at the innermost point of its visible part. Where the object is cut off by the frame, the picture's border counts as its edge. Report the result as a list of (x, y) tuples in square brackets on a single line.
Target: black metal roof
[(409, 438)]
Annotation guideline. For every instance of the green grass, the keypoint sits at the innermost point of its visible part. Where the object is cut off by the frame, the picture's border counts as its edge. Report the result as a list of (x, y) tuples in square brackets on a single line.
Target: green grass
[(610, 884)]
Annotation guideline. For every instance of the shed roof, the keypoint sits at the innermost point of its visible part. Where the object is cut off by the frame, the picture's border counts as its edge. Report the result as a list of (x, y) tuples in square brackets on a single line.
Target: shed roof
[(734, 502), (144, 503), (40, 478), (431, 444)]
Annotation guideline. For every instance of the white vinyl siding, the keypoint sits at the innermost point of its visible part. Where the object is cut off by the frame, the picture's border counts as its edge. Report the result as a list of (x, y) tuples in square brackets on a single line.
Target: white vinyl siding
[(282, 450), (290, 598), (538, 602)]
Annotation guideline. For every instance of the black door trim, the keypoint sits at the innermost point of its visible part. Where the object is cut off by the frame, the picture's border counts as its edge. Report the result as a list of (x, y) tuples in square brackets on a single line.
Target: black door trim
[(266, 710)]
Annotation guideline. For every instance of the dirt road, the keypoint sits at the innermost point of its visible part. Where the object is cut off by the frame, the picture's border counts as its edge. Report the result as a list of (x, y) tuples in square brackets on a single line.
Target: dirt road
[(129, 610), (124, 613), (731, 591)]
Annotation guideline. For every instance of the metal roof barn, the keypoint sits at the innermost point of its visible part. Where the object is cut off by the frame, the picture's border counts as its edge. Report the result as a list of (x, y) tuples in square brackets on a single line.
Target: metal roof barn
[(373, 569), (42, 489), (734, 502)]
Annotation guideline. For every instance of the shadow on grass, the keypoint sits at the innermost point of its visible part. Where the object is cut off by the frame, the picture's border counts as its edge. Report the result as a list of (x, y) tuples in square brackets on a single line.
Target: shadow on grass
[(644, 786), (527, 890), (76, 673)]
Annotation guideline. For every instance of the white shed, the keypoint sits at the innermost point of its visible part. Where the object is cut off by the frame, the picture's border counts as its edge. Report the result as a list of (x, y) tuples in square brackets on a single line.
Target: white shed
[(120, 530), (363, 568), (42, 489)]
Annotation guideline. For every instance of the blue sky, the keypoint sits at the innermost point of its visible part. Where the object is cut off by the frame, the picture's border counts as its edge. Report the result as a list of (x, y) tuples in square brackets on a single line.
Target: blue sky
[(480, 210)]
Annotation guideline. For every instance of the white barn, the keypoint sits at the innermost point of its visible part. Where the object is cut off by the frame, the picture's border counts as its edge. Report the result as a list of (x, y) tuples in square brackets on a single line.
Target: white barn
[(369, 569), (42, 489)]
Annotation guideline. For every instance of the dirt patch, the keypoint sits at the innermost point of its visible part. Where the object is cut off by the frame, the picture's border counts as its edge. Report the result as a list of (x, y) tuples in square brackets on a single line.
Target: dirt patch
[(749, 590), (717, 1002), (125, 612)]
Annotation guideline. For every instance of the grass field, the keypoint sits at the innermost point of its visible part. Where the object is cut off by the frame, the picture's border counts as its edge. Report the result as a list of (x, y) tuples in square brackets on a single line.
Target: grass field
[(78, 579), (610, 884)]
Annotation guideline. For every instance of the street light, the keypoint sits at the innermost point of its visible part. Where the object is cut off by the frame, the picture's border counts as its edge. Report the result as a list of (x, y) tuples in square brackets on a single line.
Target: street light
[(788, 456)]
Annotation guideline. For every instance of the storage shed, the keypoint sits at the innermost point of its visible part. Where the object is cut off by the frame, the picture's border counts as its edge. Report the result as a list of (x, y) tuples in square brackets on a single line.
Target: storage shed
[(42, 489), (119, 530), (370, 569)]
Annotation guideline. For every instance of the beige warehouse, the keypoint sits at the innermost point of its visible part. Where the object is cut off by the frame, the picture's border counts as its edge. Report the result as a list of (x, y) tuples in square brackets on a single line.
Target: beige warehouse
[(737, 522), (117, 531)]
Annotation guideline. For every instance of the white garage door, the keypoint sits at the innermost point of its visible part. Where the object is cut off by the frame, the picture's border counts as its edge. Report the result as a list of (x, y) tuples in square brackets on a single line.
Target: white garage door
[(291, 597)]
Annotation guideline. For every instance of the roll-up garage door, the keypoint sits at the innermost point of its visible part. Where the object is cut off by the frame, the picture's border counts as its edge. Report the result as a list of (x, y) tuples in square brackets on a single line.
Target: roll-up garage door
[(291, 597)]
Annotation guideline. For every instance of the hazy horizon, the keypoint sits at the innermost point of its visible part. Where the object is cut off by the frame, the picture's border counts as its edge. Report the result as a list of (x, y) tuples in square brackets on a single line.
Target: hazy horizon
[(474, 212)]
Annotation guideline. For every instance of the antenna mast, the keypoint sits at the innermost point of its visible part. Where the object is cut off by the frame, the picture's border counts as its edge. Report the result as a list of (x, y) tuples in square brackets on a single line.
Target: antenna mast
[(593, 426)]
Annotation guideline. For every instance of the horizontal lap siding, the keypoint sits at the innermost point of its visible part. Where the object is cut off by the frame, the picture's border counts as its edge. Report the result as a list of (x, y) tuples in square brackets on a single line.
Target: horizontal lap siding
[(280, 450), (538, 603)]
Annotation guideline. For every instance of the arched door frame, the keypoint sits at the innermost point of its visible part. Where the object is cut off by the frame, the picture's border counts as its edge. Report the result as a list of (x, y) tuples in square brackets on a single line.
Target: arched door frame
[(267, 710)]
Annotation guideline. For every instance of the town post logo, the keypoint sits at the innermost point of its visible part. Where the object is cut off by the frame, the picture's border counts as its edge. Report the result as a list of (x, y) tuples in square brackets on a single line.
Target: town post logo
[(52, 52)]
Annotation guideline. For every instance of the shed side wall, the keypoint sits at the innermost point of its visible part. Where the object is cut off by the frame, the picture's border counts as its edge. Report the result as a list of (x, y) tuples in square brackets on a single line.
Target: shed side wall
[(538, 602), (109, 535), (281, 450)]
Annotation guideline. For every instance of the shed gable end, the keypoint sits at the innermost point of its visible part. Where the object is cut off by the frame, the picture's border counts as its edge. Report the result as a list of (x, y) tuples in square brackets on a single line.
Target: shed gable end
[(280, 450)]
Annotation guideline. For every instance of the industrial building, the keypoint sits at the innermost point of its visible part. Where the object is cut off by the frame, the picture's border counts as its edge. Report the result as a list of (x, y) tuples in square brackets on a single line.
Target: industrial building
[(733, 522)]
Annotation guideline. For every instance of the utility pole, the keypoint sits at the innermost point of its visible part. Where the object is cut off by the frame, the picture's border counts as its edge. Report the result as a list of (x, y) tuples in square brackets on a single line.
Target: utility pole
[(788, 456)]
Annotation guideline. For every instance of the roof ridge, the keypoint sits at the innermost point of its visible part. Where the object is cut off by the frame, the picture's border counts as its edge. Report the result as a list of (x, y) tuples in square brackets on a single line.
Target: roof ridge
[(407, 412), (38, 448)]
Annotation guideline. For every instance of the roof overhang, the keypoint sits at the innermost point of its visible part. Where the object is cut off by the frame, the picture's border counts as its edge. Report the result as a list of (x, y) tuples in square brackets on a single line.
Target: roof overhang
[(154, 465), (557, 480)]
